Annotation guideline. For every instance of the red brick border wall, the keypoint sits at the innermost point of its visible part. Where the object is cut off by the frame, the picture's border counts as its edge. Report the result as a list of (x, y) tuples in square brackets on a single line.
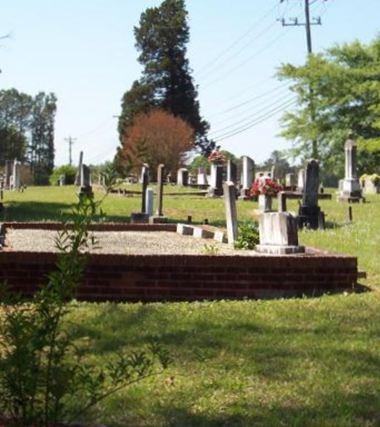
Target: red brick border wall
[(175, 278)]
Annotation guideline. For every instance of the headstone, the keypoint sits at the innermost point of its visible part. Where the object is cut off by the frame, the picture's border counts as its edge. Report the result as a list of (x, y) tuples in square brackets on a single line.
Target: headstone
[(62, 180), (78, 175), (351, 191), (278, 234), (247, 173), (149, 200), (159, 216), (16, 178), (229, 191), (370, 186), (183, 177), (281, 201), (216, 180), (8, 173), (290, 180), (142, 216), (231, 171), (202, 177), (85, 181), (301, 180), (145, 183), (310, 214)]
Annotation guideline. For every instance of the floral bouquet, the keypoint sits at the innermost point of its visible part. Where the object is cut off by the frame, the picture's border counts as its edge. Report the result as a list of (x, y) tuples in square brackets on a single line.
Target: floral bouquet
[(217, 157), (266, 186)]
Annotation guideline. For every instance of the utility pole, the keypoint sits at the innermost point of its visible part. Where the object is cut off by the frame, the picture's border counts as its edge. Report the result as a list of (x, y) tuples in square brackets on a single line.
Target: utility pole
[(70, 141), (293, 22)]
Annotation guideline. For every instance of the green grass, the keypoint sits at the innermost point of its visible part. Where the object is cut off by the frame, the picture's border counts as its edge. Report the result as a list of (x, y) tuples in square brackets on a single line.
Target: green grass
[(297, 362)]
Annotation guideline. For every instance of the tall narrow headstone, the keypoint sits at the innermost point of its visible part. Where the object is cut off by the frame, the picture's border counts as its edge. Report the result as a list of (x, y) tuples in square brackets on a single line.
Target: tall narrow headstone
[(85, 181), (310, 214), (247, 173), (160, 188), (8, 173), (229, 191), (145, 183), (351, 191), (216, 180), (149, 200), (78, 175), (16, 183), (231, 171), (183, 177)]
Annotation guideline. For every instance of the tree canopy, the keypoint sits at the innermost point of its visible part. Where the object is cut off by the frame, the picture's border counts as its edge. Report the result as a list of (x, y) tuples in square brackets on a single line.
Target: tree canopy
[(345, 85), (166, 82)]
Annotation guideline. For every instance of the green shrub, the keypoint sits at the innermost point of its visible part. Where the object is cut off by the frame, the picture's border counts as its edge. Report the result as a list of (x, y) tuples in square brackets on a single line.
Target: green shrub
[(67, 170), (248, 236)]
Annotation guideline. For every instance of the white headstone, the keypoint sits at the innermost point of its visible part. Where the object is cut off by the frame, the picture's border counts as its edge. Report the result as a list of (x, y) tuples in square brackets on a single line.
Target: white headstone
[(231, 214), (149, 195)]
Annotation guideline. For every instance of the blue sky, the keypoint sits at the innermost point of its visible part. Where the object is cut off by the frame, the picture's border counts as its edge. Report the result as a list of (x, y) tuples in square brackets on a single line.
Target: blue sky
[(83, 51)]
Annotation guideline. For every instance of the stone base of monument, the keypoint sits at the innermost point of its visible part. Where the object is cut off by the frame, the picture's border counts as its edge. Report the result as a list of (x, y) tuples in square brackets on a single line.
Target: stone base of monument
[(278, 234), (280, 249), (139, 218), (351, 191), (350, 199), (311, 217), (157, 219)]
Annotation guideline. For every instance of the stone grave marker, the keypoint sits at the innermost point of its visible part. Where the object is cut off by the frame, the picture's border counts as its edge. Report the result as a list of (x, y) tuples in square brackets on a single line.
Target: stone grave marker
[(290, 180), (149, 200), (16, 175), (78, 175), (229, 191), (85, 181), (278, 234), (310, 214), (351, 191), (202, 177), (247, 174), (142, 217), (231, 171), (183, 177), (8, 173), (216, 180), (301, 180)]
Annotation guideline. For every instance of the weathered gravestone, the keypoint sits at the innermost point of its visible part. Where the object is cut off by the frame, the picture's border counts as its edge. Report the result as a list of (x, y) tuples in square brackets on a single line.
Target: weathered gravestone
[(183, 177), (351, 191), (85, 181), (78, 175), (216, 180), (247, 173), (231, 171), (301, 180), (149, 200), (371, 186), (62, 180), (310, 214), (278, 234), (202, 177), (229, 191), (7, 174), (290, 181), (142, 217), (159, 216), (16, 175)]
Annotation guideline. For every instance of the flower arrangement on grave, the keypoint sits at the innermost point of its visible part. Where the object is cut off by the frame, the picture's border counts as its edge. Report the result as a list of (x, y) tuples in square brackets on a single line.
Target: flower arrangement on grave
[(265, 186), (217, 158)]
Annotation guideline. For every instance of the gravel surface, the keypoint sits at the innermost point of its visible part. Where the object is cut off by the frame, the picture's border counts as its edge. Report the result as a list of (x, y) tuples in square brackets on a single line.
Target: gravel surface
[(124, 242)]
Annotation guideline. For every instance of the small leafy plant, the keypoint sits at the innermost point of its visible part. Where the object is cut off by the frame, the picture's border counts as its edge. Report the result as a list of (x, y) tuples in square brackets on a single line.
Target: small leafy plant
[(248, 236), (210, 249), (43, 379)]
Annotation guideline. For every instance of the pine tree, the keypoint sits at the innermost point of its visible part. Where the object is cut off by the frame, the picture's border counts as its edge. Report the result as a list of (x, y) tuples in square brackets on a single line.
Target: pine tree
[(166, 82)]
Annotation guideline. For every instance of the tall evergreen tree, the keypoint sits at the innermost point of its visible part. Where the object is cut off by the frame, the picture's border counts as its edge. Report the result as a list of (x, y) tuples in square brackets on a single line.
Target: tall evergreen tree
[(166, 82)]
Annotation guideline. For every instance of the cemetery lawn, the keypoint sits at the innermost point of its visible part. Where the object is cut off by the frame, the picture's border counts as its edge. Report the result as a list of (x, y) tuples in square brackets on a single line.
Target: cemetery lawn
[(297, 362)]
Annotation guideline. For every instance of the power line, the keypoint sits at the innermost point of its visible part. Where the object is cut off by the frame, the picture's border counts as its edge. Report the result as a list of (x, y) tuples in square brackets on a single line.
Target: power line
[(236, 41), (249, 101), (261, 111), (259, 120)]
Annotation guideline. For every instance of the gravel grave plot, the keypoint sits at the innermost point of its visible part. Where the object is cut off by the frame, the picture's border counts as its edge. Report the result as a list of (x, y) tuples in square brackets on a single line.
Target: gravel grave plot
[(124, 242)]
